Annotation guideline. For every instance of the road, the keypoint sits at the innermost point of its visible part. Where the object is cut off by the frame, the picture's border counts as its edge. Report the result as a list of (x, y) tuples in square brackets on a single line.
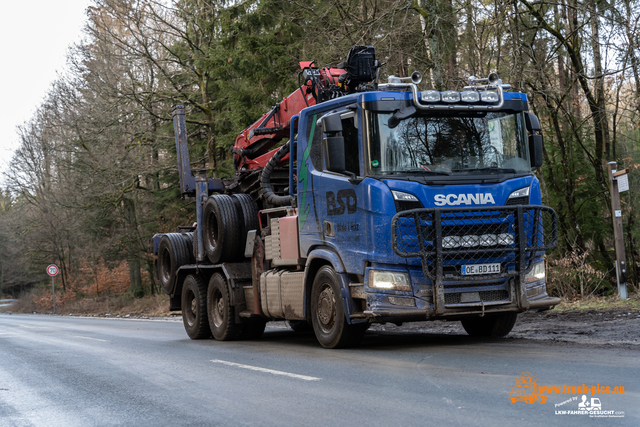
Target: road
[(68, 371)]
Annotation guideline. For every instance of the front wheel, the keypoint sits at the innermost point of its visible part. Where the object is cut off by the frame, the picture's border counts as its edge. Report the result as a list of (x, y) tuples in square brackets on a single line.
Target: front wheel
[(327, 312), (492, 326), (194, 307)]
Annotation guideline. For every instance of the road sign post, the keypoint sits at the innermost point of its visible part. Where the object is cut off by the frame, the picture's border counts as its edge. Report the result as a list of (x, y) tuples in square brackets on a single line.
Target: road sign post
[(53, 270), (618, 182)]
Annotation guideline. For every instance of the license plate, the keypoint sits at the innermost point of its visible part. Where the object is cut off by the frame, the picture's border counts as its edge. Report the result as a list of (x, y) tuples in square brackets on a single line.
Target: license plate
[(470, 269)]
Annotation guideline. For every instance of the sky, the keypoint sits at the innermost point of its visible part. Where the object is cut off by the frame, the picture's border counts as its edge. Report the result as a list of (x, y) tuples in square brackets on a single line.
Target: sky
[(37, 35)]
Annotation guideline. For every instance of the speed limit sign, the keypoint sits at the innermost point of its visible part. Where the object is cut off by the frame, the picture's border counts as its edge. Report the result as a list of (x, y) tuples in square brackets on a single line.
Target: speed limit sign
[(52, 270)]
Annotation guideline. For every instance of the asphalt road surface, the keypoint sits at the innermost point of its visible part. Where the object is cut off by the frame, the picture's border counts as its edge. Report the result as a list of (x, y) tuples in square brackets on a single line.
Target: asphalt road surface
[(66, 371)]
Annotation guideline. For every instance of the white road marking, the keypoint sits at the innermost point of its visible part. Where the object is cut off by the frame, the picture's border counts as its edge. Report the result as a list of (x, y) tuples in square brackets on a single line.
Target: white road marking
[(87, 338), (269, 371)]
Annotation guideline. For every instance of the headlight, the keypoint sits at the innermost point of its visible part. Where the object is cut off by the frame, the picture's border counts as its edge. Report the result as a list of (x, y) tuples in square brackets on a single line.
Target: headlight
[(404, 197), (523, 192), (389, 280), (537, 273)]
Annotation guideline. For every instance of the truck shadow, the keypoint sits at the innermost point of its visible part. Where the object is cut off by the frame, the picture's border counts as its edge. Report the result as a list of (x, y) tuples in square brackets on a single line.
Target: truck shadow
[(381, 339)]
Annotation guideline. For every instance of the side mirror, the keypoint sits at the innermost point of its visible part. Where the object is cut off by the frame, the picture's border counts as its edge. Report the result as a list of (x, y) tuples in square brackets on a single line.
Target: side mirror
[(332, 123), (535, 140), (400, 115), (334, 154), (333, 143), (532, 122), (535, 151)]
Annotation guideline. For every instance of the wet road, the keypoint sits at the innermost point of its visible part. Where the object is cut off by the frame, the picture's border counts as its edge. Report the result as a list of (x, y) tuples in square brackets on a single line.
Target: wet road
[(66, 371)]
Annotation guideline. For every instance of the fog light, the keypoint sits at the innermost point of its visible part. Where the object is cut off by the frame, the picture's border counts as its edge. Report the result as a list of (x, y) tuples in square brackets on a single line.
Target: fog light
[(488, 240), (489, 96), (537, 273), (451, 242), (470, 96), (451, 96), (506, 239), (431, 96)]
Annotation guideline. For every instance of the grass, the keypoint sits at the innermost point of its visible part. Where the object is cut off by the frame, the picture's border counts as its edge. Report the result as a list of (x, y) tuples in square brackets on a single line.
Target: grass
[(607, 303), (122, 304)]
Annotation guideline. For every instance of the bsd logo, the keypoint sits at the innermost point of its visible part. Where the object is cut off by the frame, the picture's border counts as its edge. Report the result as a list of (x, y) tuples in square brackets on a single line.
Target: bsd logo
[(345, 200)]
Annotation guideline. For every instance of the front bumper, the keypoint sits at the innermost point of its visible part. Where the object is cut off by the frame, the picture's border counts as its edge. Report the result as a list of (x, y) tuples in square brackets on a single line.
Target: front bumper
[(448, 239)]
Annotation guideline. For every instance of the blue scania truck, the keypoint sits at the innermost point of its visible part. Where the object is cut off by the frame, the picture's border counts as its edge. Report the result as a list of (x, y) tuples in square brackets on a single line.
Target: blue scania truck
[(384, 204)]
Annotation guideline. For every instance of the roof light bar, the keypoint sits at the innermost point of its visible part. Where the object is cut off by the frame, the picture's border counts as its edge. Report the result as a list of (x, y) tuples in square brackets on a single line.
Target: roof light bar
[(487, 97)]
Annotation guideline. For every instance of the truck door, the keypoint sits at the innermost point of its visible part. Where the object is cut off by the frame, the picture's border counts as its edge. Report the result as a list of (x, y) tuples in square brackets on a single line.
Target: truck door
[(342, 214)]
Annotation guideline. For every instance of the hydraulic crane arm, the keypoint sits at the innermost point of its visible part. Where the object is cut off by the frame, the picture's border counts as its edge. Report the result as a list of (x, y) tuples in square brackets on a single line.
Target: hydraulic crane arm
[(251, 150)]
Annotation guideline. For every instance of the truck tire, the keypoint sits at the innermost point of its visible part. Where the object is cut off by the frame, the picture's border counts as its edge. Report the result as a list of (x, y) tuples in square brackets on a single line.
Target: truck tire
[(327, 312), (248, 213), (221, 229), (194, 307), (492, 326), (222, 319), (188, 239), (173, 252)]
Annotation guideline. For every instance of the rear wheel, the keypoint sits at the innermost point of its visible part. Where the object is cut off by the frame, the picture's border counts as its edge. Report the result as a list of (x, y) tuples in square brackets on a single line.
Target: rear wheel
[(492, 326), (194, 307), (222, 319), (327, 312)]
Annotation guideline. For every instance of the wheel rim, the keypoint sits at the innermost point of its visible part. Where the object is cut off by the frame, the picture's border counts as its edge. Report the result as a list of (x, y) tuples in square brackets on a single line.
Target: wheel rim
[(326, 308), (212, 223), (165, 271), (192, 308), (217, 308)]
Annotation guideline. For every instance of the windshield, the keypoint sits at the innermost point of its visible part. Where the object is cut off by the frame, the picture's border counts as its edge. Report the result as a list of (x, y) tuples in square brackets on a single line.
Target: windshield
[(444, 145)]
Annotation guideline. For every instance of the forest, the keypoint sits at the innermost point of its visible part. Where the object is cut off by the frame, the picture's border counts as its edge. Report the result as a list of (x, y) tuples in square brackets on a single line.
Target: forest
[(95, 174)]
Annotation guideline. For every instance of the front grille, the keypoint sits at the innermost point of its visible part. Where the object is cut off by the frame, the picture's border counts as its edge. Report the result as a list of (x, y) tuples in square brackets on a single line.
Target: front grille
[(470, 229), (446, 239), (513, 201), (407, 205), (485, 296), (475, 285)]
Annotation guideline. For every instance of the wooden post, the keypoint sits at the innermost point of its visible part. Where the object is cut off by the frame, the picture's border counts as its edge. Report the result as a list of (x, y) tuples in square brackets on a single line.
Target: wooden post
[(621, 264)]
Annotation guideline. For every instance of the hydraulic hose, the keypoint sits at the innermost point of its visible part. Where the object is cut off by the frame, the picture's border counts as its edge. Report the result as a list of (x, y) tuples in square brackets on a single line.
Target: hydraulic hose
[(265, 179)]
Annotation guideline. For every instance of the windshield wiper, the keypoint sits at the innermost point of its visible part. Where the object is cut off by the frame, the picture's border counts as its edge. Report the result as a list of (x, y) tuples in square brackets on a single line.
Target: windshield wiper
[(499, 170), (422, 171)]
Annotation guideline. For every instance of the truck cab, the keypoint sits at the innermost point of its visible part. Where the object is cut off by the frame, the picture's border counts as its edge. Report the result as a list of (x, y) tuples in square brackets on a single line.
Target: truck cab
[(375, 173)]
